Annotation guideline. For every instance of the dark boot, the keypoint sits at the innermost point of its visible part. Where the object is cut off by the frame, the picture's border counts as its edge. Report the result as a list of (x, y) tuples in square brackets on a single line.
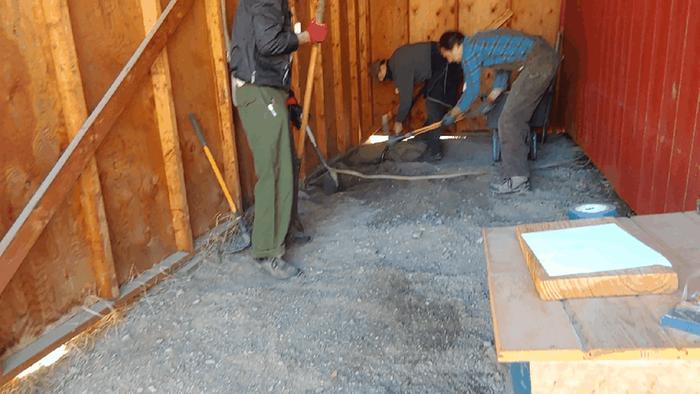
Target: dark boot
[(278, 268)]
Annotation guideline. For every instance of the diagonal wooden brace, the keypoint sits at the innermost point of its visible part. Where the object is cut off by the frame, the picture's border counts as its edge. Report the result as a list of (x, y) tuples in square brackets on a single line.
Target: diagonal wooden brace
[(24, 232)]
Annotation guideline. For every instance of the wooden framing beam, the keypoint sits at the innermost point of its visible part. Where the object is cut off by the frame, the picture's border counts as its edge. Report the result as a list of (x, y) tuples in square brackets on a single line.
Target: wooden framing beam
[(353, 49), (319, 98), (342, 127), (169, 136), (501, 20), (70, 87), (366, 100), (24, 232), (215, 29)]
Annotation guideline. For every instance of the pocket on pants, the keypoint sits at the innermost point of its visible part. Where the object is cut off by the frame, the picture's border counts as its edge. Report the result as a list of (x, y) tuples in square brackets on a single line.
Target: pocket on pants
[(245, 96)]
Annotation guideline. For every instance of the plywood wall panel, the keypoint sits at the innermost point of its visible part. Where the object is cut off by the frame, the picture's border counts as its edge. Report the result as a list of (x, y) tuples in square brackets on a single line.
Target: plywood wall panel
[(130, 159), (389, 30), (476, 15), (428, 20), (537, 17), (56, 273), (204, 197)]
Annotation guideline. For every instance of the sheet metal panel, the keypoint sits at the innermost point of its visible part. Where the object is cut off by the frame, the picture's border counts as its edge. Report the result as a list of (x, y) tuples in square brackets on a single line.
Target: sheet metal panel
[(630, 88)]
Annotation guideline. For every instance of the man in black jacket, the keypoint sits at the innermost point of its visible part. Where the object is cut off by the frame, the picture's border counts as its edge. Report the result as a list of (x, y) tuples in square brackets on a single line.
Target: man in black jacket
[(421, 63), (262, 43)]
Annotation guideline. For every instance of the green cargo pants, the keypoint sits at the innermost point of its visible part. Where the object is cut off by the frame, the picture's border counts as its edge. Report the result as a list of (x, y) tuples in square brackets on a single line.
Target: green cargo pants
[(263, 112)]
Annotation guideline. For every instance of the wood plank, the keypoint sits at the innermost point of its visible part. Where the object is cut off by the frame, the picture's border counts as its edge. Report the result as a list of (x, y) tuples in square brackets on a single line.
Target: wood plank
[(647, 280), (607, 325), (319, 95), (623, 328), (669, 376), (354, 69), (366, 99), (223, 97), (342, 121), (169, 135), (26, 229), (501, 20), (57, 272), (426, 22), (389, 30), (70, 87), (680, 233), (518, 314)]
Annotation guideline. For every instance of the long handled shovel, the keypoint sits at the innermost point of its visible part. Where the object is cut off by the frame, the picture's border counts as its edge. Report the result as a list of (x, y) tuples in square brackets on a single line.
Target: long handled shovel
[(244, 239)]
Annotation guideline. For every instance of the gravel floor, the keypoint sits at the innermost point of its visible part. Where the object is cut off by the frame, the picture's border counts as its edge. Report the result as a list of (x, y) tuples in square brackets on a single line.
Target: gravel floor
[(394, 298)]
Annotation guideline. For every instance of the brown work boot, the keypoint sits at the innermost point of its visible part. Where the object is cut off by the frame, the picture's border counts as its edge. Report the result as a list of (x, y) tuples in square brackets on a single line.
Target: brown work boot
[(516, 184), (278, 268)]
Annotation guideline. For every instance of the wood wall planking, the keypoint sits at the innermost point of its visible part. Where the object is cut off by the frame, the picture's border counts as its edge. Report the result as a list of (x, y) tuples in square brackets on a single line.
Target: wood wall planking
[(130, 159), (136, 169), (40, 112), (57, 273)]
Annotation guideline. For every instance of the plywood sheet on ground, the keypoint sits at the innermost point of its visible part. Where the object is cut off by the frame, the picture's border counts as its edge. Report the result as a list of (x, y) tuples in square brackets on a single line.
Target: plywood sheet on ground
[(618, 328)]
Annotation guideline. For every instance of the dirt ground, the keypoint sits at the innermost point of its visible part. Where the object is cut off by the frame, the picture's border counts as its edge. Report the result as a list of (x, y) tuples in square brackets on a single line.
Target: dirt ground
[(394, 298)]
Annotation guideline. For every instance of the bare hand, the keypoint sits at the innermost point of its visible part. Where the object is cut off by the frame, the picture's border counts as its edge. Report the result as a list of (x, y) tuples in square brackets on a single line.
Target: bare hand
[(304, 38), (398, 128)]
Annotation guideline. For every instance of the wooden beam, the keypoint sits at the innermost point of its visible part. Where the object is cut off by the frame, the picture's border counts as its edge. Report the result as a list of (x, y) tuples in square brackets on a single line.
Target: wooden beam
[(169, 135), (70, 87), (223, 97), (342, 127), (353, 50), (24, 232), (501, 20), (366, 100), (319, 98)]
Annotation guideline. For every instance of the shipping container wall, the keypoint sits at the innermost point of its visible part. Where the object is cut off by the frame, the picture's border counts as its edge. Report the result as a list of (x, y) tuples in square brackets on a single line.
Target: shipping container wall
[(630, 85)]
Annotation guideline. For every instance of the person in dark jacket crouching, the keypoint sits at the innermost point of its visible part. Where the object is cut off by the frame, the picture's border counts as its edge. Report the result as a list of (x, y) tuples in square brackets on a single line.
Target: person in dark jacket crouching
[(414, 64), (262, 43)]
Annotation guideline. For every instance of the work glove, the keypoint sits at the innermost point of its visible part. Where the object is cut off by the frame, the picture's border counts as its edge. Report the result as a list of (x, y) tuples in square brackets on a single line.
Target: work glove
[(317, 31), (295, 110), (448, 120)]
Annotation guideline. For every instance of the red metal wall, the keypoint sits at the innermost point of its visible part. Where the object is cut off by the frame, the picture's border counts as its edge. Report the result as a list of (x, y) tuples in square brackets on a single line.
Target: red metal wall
[(630, 86)]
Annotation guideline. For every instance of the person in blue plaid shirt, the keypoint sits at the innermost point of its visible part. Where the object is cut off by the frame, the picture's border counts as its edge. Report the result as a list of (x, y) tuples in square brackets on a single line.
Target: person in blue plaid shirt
[(505, 50)]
